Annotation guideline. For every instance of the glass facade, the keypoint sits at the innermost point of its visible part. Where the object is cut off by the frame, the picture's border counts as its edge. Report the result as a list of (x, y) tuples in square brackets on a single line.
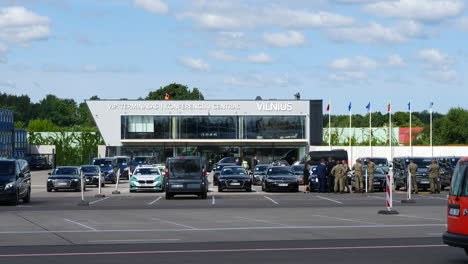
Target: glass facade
[(213, 127)]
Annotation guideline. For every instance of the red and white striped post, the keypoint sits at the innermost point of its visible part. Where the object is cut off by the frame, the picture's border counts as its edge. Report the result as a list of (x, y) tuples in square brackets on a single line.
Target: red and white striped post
[(408, 189), (389, 200)]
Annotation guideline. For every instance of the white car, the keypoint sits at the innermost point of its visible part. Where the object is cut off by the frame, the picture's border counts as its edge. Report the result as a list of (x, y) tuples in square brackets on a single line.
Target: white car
[(146, 177)]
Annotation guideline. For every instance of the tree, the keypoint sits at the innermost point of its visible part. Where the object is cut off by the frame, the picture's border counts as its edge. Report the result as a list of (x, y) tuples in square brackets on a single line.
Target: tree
[(452, 128), (176, 92), (62, 112), (42, 125)]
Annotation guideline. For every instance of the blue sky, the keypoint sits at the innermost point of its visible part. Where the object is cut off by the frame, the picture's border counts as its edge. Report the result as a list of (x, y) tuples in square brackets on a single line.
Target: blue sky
[(338, 50)]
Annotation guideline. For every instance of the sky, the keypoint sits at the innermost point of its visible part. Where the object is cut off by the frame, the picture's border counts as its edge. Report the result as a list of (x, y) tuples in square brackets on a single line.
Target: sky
[(344, 51)]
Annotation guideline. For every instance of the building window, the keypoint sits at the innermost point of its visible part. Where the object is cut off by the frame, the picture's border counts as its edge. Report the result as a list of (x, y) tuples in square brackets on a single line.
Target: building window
[(146, 127), (274, 127), (208, 127)]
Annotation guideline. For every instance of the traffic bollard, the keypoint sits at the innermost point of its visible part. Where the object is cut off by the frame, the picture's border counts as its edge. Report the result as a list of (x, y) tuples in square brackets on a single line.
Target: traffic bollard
[(82, 202), (99, 194), (389, 200), (408, 190), (116, 191)]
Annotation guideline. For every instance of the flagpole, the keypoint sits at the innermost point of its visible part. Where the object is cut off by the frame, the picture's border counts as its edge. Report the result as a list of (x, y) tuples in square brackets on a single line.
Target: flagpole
[(329, 125), (390, 136), (430, 131), (410, 132), (370, 130), (350, 138)]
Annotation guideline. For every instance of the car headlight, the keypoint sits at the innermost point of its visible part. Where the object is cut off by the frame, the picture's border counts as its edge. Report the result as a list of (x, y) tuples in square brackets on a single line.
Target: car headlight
[(9, 185), (75, 180), (50, 180), (95, 177)]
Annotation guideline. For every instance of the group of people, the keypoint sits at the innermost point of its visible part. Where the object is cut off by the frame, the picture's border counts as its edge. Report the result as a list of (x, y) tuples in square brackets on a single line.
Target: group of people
[(333, 177), (434, 176)]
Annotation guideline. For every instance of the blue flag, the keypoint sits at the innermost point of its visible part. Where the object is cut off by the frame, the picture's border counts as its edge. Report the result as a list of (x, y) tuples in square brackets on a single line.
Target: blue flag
[(368, 107), (409, 106), (349, 107), (431, 104)]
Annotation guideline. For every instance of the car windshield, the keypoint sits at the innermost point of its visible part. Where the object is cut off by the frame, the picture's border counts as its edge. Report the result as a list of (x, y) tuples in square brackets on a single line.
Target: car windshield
[(226, 160), (122, 161), (379, 171), (233, 171), (298, 168), (378, 162), (185, 168), (422, 163), (7, 169), (66, 171), (140, 159), (261, 168), (147, 171), (102, 162), (90, 169), (460, 177), (279, 171)]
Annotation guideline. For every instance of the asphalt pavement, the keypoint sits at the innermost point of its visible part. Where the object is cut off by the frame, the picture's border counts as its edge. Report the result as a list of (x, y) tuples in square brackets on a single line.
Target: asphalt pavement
[(255, 227)]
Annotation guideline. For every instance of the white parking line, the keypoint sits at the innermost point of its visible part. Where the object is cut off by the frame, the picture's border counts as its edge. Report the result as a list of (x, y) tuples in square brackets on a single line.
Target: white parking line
[(433, 197), (419, 217), (259, 220), (344, 219), (382, 198), (97, 201), (273, 201), (151, 203), (328, 199), (173, 223), (213, 201), (134, 240), (80, 224)]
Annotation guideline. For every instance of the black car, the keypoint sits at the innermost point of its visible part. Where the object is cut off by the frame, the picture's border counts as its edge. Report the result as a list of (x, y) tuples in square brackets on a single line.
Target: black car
[(39, 163), (400, 172), (234, 177), (15, 181), (65, 178), (313, 179), (259, 173), (380, 180), (217, 171), (91, 174), (280, 178), (298, 171), (186, 175)]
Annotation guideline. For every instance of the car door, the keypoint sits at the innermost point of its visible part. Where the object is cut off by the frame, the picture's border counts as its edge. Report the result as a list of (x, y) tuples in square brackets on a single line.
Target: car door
[(27, 177)]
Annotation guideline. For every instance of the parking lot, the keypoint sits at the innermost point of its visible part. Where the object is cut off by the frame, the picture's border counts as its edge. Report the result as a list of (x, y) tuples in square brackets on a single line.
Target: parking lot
[(54, 221)]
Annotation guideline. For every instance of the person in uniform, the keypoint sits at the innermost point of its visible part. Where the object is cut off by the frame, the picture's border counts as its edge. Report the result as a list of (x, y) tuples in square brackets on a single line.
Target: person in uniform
[(371, 167), (305, 177), (330, 177), (434, 173), (322, 176), (345, 178), (413, 169), (358, 171), (337, 172)]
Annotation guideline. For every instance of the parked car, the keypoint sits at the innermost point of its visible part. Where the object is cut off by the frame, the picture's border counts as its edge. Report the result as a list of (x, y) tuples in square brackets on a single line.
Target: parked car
[(234, 177), (298, 171), (124, 166), (380, 162), (91, 174), (65, 178), (280, 178), (280, 163), (141, 160), (161, 167), (314, 157), (313, 179), (400, 172), (259, 173), (218, 169), (109, 167), (39, 163), (186, 175), (15, 181), (146, 177), (447, 167), (380, 180)]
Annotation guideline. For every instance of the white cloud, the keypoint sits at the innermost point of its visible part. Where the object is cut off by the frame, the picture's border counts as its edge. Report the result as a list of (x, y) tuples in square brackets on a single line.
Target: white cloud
[(235, 15), (396, 61), (222, 56), (3, 48), (234, 40), (260, 58), (285, 39), (376, 33), (356, 63), (462, 23), (347, 76), (89, 68), (8, 83), (153, 6), (443, 75), (429, 10), (194, 64), (433, 58), (19, 25), (258, 80)]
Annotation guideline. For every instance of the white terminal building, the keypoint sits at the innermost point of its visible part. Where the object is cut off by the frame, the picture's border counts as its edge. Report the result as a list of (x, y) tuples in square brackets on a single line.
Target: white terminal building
[(267, 129)]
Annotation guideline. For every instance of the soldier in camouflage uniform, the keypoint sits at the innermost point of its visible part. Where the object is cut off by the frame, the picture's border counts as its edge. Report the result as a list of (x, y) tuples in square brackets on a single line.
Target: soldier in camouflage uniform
[(338, 172), (358, 171), (434, 173), (413, 169), (347, 189), (371, 167)]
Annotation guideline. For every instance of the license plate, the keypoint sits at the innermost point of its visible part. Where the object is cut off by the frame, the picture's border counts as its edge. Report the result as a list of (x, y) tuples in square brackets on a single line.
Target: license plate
[(193, 186), (454, 212), (283, 184), (235, 183), (177, 186), (87, 180), (376, 182), (425, 182), (62, 184)]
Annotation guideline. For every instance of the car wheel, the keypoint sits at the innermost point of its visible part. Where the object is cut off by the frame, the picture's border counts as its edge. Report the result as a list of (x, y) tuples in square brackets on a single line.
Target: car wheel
[(204, 196), (220, 189), (466, 251), (263, 187), (248, 189), (49, 190), (215, 183), (132, 191), (27, 198), (16, 199), (169, 196)]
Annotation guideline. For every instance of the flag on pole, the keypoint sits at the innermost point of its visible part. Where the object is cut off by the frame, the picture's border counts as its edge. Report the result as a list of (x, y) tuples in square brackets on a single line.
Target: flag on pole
[(328, 106), (389, 107), (409, 106), (349, 107), (430, 106), (368, 107)]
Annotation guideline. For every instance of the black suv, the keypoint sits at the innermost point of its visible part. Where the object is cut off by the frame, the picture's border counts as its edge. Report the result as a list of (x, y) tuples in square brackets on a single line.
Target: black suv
[(15, 181)]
